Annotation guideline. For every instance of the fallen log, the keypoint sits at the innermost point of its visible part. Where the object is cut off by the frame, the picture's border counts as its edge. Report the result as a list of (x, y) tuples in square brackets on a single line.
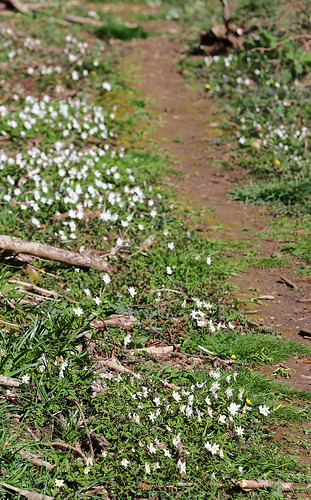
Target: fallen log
[(42, 251)]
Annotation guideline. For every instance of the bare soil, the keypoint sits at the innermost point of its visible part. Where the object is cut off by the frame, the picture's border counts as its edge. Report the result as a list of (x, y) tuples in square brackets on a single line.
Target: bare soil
[(188, 128)]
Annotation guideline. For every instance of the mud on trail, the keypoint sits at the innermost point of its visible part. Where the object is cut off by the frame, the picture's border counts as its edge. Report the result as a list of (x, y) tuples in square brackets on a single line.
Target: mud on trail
[(189, 128)]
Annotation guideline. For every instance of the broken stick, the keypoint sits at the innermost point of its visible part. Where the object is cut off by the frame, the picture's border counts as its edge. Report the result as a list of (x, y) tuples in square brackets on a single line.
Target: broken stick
[(256, 484), (17, 245), (82, 20), (17, 5), (113, 364), (31, 495), (10, 382), (36, 460), (288, 282)]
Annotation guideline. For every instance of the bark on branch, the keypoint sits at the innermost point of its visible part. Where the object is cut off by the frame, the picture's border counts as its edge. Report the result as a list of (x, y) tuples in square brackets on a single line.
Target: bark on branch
[(10, 382), (256, 484), (82, 20), (17, 5), (31, 495), (17, 245)]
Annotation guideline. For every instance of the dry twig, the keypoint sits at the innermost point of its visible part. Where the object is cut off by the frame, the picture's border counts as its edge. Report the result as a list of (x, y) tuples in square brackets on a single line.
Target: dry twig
[(155, 350), (17, 5), (82, 20), (31, 495), (36, 460), (288, 282), (10, 382), (65, 446), (119, 320), (113, 364), (282, 42), (256, 484), (31, 286)]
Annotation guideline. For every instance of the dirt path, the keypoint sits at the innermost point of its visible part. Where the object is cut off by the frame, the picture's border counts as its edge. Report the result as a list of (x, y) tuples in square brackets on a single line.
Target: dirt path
[(188, 128)]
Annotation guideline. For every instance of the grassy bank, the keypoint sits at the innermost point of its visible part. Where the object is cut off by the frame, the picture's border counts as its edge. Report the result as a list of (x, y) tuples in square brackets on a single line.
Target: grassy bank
[(135, 381)]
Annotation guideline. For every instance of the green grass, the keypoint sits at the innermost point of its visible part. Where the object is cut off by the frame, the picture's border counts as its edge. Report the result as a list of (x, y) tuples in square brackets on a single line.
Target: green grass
[(269, 105), (120, 31), (78, 153)]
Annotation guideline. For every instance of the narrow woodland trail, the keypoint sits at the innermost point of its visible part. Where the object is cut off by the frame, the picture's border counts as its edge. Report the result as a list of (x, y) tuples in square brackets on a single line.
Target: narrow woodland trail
[(188, 126)]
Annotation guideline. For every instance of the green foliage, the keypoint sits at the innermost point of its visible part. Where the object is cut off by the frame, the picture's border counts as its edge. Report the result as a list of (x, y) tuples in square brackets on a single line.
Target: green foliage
[(121, 31), (287, 193), (66, 180)]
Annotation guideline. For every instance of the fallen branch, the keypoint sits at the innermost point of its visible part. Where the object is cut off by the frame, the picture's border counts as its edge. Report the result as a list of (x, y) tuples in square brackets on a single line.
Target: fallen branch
[(225, 12), (281, 42), (119, 320), (31, 286), (289, 283), (31, 495), (41, 251), (207, 351), (36, 460), (155, 350), (10, 382), (34, 298), (34, 7), (113, 364), (9, 324), (81, 20), (17, 5), (256, 484), (65, 446)]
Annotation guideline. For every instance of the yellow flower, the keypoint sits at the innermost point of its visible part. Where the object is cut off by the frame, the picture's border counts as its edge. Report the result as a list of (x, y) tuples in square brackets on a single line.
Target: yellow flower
[(93, 73), (42, 271), (233, 356), (248, 402), (207, 86), (271, 80), (277, 162)]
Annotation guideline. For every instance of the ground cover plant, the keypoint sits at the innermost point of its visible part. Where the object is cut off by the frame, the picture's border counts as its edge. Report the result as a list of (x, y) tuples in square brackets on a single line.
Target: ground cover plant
[(135, 382), (263, 87)]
